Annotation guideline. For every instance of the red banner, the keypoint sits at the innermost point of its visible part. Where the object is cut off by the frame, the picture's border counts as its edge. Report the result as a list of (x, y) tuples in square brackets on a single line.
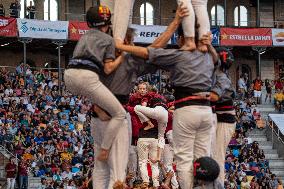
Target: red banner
[(246, 37), (77, 29), (8, 27)]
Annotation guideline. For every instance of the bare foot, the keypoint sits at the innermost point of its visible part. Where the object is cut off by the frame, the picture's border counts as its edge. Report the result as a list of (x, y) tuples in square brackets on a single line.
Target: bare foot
[(103, 155), (149, 126), (189, 44), (202, 47), (169, 178)]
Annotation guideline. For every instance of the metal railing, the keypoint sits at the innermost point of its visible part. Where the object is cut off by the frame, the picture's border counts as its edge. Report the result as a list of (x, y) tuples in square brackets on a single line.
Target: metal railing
[(275, 130), (10, 153)]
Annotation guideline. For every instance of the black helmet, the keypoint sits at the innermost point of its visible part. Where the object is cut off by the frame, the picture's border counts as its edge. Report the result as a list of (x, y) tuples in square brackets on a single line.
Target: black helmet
[(226, 57), (206, 169), (98, 16)]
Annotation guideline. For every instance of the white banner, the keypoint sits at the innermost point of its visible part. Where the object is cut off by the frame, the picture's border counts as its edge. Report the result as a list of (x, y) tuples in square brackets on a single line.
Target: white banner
[(147, 34), (278, 119), (278, 37), (41, 29)]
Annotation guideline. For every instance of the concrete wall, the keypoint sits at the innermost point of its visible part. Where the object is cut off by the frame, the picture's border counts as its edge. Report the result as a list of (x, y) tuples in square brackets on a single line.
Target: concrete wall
[(267, 69), (12, 58)]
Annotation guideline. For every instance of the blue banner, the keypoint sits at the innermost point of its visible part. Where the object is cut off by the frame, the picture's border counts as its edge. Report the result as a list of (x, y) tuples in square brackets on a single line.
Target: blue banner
[(216, 36), (215, 41)]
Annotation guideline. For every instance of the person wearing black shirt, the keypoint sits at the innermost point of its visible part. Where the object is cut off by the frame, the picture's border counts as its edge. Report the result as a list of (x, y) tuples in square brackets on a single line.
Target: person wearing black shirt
[(14, 9), (2, 10), (31, 11)]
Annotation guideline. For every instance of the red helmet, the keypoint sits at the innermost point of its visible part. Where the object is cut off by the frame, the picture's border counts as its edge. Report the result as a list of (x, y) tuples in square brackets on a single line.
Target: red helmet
[(98, 16)]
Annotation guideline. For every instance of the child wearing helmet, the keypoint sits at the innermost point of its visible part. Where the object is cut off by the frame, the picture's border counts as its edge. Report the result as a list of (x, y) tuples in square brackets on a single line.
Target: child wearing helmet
[(94, 56)]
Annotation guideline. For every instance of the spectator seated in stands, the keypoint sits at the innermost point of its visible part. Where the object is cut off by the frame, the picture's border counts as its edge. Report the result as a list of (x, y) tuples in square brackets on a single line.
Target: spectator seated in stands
[(51, 133)]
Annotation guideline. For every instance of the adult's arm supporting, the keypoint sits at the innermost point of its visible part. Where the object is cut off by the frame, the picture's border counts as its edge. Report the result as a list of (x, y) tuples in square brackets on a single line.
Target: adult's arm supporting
[(163, 39)]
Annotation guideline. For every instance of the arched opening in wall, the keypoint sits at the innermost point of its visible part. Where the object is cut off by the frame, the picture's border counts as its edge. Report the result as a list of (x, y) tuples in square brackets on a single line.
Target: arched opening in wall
[(217, 15), (246, 72), (241, 16), (29, 3), (50, 10), (146, 14)]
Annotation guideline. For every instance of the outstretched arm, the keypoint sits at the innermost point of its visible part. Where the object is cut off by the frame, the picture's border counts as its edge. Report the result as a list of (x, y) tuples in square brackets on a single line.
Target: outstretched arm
[(163, 39), (159, 42), (135, 50)]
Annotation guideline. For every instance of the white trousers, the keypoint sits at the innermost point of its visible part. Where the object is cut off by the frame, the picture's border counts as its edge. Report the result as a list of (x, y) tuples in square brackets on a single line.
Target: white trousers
[(11, 183), (168, 158), (191, 139), (224, 133), (133, 160), (133, 156), (87, 83), (105, 174), (147, 148), (197, 9), (213, 132), (159, 113), (122, 10)]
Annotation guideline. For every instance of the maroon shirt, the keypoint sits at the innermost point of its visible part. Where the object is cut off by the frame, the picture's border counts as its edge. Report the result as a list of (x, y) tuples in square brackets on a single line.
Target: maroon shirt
[(11, 170), (23, 170)]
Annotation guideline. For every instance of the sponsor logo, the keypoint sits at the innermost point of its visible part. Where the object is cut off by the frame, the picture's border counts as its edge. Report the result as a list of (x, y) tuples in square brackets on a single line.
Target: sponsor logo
[(24, 28), (4, 22)]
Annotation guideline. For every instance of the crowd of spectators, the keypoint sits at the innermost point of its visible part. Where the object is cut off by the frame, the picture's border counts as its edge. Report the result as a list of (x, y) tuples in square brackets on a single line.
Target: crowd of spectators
[(48, 132), (50, 135), (246, 165)]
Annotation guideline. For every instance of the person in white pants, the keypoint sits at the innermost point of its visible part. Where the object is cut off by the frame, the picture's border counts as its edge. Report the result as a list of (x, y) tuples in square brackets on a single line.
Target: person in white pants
[(168, 158), (147, 147), (11, 169), (198, 10), (226, 121), (94, 57), (106, 173), (191, 74), (122, 9), (157, 111)]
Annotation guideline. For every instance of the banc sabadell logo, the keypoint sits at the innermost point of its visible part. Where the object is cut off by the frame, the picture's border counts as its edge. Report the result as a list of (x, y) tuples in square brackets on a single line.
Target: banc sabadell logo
[(24, 28)]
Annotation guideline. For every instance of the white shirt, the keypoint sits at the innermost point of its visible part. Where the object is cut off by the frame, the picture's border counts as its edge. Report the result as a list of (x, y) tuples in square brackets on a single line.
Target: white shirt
[(67, 175), (242, 84), (80, 151), (17, 99), (81, 117), (31, 108), (8, 91)]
